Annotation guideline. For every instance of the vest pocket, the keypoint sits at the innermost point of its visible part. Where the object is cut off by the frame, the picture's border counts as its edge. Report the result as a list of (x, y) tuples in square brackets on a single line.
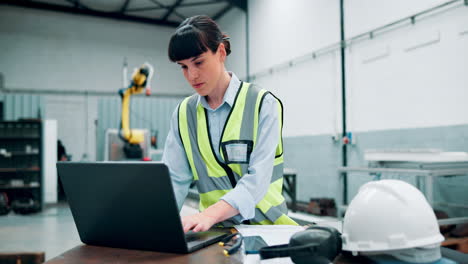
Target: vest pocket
[(237, 151)]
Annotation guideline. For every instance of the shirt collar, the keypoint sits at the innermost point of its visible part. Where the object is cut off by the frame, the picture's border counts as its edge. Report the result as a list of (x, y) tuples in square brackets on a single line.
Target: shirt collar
[(229, 95)]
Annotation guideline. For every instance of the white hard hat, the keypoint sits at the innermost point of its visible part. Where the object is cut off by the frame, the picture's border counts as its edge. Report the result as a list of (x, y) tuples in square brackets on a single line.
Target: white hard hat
[(389, 215)]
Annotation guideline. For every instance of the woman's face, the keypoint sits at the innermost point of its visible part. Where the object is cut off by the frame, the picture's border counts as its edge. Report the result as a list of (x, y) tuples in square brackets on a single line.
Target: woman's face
[(204, 71)]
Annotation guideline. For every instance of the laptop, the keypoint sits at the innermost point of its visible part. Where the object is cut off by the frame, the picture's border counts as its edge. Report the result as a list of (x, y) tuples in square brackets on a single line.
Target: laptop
[(128, 205)]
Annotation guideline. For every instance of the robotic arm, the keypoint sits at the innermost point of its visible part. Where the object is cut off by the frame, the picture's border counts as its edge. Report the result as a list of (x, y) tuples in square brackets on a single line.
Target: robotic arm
[(141, 80)]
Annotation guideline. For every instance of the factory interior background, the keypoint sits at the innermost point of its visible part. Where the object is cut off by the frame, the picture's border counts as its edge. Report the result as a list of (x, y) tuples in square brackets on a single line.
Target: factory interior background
[(406, 87)]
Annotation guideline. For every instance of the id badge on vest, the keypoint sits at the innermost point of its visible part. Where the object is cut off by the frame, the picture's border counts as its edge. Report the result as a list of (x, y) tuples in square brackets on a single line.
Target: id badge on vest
[(237, 151)]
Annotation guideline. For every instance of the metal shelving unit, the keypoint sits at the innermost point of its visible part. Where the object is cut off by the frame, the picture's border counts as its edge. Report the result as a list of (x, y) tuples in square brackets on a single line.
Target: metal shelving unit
[(21, 160)]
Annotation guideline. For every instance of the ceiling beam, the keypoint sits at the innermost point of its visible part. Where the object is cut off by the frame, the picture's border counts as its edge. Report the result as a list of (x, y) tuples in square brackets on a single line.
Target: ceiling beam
[(171, 9), (124, 6), (222, 12), (159, 4), (199, 3), (242, 4), (166, 7), (77, 4), (88, 12)]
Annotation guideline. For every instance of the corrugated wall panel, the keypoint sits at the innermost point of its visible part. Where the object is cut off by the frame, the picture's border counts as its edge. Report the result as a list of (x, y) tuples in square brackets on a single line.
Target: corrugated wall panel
[(38, 104), (145, 113), (23, 106)]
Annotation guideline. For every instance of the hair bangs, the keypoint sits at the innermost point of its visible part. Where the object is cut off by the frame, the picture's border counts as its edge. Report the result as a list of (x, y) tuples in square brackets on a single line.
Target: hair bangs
[(187, 42)]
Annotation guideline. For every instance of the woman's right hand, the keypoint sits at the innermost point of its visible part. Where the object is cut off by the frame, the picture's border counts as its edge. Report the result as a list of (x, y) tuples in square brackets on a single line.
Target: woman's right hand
[(198, 222)]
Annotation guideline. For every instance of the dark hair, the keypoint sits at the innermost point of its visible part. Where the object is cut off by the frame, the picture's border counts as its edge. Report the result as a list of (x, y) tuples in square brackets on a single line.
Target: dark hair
[(195, 36)]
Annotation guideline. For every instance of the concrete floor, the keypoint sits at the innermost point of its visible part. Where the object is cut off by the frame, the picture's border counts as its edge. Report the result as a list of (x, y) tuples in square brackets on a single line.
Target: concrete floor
[(52, 231)]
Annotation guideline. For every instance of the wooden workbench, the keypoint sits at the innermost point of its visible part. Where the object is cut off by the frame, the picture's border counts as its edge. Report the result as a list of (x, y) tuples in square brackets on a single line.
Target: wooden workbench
[(85, 254)]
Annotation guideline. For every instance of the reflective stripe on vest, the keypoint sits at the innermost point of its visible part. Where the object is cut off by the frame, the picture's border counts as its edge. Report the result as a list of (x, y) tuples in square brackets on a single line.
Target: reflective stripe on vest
[(214, 177)]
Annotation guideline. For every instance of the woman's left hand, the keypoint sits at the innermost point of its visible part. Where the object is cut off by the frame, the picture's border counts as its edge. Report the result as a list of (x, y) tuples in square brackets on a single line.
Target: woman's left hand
[(198, 222)]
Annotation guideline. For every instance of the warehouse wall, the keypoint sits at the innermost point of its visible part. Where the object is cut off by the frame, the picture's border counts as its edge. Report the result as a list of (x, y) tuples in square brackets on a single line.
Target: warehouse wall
[(419, 68), (233, 24), (399, 95), (76, 118), (42, 50), (280, 31), (19, 105), (365, 15), (50, 50)]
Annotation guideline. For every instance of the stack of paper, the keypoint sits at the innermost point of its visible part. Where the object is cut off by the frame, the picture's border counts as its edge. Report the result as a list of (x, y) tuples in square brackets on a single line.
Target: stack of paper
[(272, 234)]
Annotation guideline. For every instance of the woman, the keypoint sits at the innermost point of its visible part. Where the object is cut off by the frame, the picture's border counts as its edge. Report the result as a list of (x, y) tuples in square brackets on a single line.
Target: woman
[(226, 138)]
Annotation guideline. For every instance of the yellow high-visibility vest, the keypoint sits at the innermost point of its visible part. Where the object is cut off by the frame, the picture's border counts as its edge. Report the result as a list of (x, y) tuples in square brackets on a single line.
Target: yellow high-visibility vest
[(214, 178)]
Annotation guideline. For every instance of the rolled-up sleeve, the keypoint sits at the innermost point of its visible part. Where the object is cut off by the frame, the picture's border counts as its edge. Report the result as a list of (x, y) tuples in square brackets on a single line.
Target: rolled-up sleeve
[(252, 187), (176, 160)]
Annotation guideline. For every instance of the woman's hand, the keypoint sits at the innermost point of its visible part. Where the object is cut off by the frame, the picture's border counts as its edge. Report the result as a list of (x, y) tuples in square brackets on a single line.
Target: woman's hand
[(203, 221), (198, 222)]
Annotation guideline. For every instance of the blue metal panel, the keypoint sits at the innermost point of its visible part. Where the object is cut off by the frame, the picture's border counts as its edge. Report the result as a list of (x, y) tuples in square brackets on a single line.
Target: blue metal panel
[(145, 113), (23, 106), (17, 100), (26, 106)]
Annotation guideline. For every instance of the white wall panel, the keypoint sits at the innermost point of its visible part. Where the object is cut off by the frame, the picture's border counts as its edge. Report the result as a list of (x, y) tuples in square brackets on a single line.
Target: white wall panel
[(281, 30), (50, 50), (412, 77), (234, 24), (49, 159), (311, 96), (76, 127), (364, 15)]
